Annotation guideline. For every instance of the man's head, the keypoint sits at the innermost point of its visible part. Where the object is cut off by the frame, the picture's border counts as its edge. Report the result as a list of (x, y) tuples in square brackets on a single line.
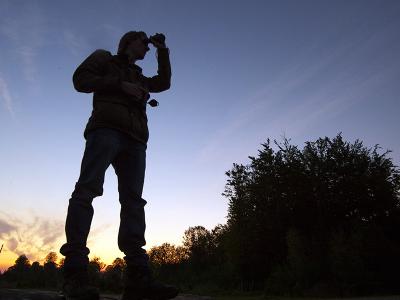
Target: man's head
[(134, 44)]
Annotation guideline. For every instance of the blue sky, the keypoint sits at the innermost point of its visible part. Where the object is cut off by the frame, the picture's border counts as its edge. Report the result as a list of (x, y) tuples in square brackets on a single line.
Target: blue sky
[(242, 72)]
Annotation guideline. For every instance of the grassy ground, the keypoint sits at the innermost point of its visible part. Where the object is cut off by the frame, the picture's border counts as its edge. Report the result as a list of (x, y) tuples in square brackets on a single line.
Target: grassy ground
[(261, 297)]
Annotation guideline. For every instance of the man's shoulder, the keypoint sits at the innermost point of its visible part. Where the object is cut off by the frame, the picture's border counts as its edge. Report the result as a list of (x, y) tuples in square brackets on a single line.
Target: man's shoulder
[(98, 57), (101, 53)]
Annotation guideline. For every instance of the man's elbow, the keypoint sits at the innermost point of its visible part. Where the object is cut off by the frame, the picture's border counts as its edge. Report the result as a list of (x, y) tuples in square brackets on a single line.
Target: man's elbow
[(167, 85), (161, 86), (80, 86)]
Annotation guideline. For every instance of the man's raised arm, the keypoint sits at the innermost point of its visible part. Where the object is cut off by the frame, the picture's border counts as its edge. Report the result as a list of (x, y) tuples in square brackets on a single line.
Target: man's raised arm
[(162, 81)]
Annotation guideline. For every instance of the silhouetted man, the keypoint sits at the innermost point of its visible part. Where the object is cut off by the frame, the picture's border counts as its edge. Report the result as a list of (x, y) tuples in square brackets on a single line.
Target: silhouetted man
[(116, 134)]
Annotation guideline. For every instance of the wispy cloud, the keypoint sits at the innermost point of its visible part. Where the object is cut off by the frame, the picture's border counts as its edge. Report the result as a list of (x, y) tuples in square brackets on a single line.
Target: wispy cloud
[(95, 232), (5, 227), (36, 236), (305, 95), (75, 43), (9, 29), (28, 57), (5, 96), (267, 107), (79, 44), (113, 31), (25, 32)]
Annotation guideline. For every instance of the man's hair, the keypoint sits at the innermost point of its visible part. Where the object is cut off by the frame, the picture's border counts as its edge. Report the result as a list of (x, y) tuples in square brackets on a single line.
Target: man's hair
[(127, 38)]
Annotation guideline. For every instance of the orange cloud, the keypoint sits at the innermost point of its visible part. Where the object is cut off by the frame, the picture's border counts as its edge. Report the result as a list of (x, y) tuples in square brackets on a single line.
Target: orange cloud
[(35, 237)]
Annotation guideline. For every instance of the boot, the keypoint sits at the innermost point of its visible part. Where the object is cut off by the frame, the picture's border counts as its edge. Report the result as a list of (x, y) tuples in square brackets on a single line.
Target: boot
[(139, 284), (76, 287)]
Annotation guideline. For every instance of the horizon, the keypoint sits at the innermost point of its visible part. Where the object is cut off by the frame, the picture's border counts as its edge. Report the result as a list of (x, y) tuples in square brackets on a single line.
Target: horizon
[(240, 74)]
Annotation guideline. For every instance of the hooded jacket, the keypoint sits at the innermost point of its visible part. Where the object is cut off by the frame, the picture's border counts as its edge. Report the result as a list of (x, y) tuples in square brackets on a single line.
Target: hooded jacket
[(102, 73)]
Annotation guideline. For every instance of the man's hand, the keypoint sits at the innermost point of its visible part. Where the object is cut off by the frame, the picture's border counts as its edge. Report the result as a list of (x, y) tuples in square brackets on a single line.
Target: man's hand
[(158, 40), (135, 90)]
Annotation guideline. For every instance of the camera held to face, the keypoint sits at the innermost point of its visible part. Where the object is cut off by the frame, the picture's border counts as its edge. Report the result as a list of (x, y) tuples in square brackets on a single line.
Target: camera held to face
[(158, 38)]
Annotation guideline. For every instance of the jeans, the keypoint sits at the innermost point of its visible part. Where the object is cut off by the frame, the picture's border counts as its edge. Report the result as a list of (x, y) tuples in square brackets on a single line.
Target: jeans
[(128, 157)]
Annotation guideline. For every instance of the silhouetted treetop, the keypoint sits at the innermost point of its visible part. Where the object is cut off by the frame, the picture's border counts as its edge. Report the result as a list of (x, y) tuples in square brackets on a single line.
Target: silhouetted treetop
[(301, 200)]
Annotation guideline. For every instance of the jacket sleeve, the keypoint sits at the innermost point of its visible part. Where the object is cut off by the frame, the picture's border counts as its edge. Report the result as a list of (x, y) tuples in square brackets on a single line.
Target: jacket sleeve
[(89, 77), (161, 81)]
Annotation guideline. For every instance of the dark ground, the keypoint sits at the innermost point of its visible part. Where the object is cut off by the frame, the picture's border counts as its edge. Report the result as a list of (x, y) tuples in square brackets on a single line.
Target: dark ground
[(16, 294)]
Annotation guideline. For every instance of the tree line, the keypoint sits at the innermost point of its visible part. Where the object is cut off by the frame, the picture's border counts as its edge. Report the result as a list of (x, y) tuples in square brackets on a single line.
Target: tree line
[(318, 221)]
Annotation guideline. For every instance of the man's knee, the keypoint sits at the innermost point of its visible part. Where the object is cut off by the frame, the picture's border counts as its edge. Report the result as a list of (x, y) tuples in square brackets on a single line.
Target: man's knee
[(85, 192), (132, 199)]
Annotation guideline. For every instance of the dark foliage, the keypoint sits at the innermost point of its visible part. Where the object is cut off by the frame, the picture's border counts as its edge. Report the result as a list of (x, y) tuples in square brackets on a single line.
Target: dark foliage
[(315, 221)]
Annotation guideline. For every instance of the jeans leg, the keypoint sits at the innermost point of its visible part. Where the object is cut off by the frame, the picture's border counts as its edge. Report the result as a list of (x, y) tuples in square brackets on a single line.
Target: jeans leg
[(130, 167), (100, 150)]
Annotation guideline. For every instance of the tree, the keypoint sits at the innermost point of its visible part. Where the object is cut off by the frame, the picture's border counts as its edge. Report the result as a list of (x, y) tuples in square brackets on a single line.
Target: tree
[(119, 263), (94, 268), (51, 258), (198, 243), (50, 270), (19, 272), (287, 205), (167, 254), (113, 275), (22, 263), (37, 279), (61, 263), (97, 264)]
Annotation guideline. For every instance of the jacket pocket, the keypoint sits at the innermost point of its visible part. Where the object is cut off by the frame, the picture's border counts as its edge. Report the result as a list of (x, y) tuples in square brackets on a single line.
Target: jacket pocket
[(114, 115)]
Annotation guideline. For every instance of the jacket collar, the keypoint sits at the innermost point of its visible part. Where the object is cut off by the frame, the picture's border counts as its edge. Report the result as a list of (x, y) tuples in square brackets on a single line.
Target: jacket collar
[(122, 59)]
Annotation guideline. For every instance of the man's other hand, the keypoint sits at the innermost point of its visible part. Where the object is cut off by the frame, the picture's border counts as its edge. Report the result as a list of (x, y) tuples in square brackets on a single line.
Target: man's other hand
[(135, 90)]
